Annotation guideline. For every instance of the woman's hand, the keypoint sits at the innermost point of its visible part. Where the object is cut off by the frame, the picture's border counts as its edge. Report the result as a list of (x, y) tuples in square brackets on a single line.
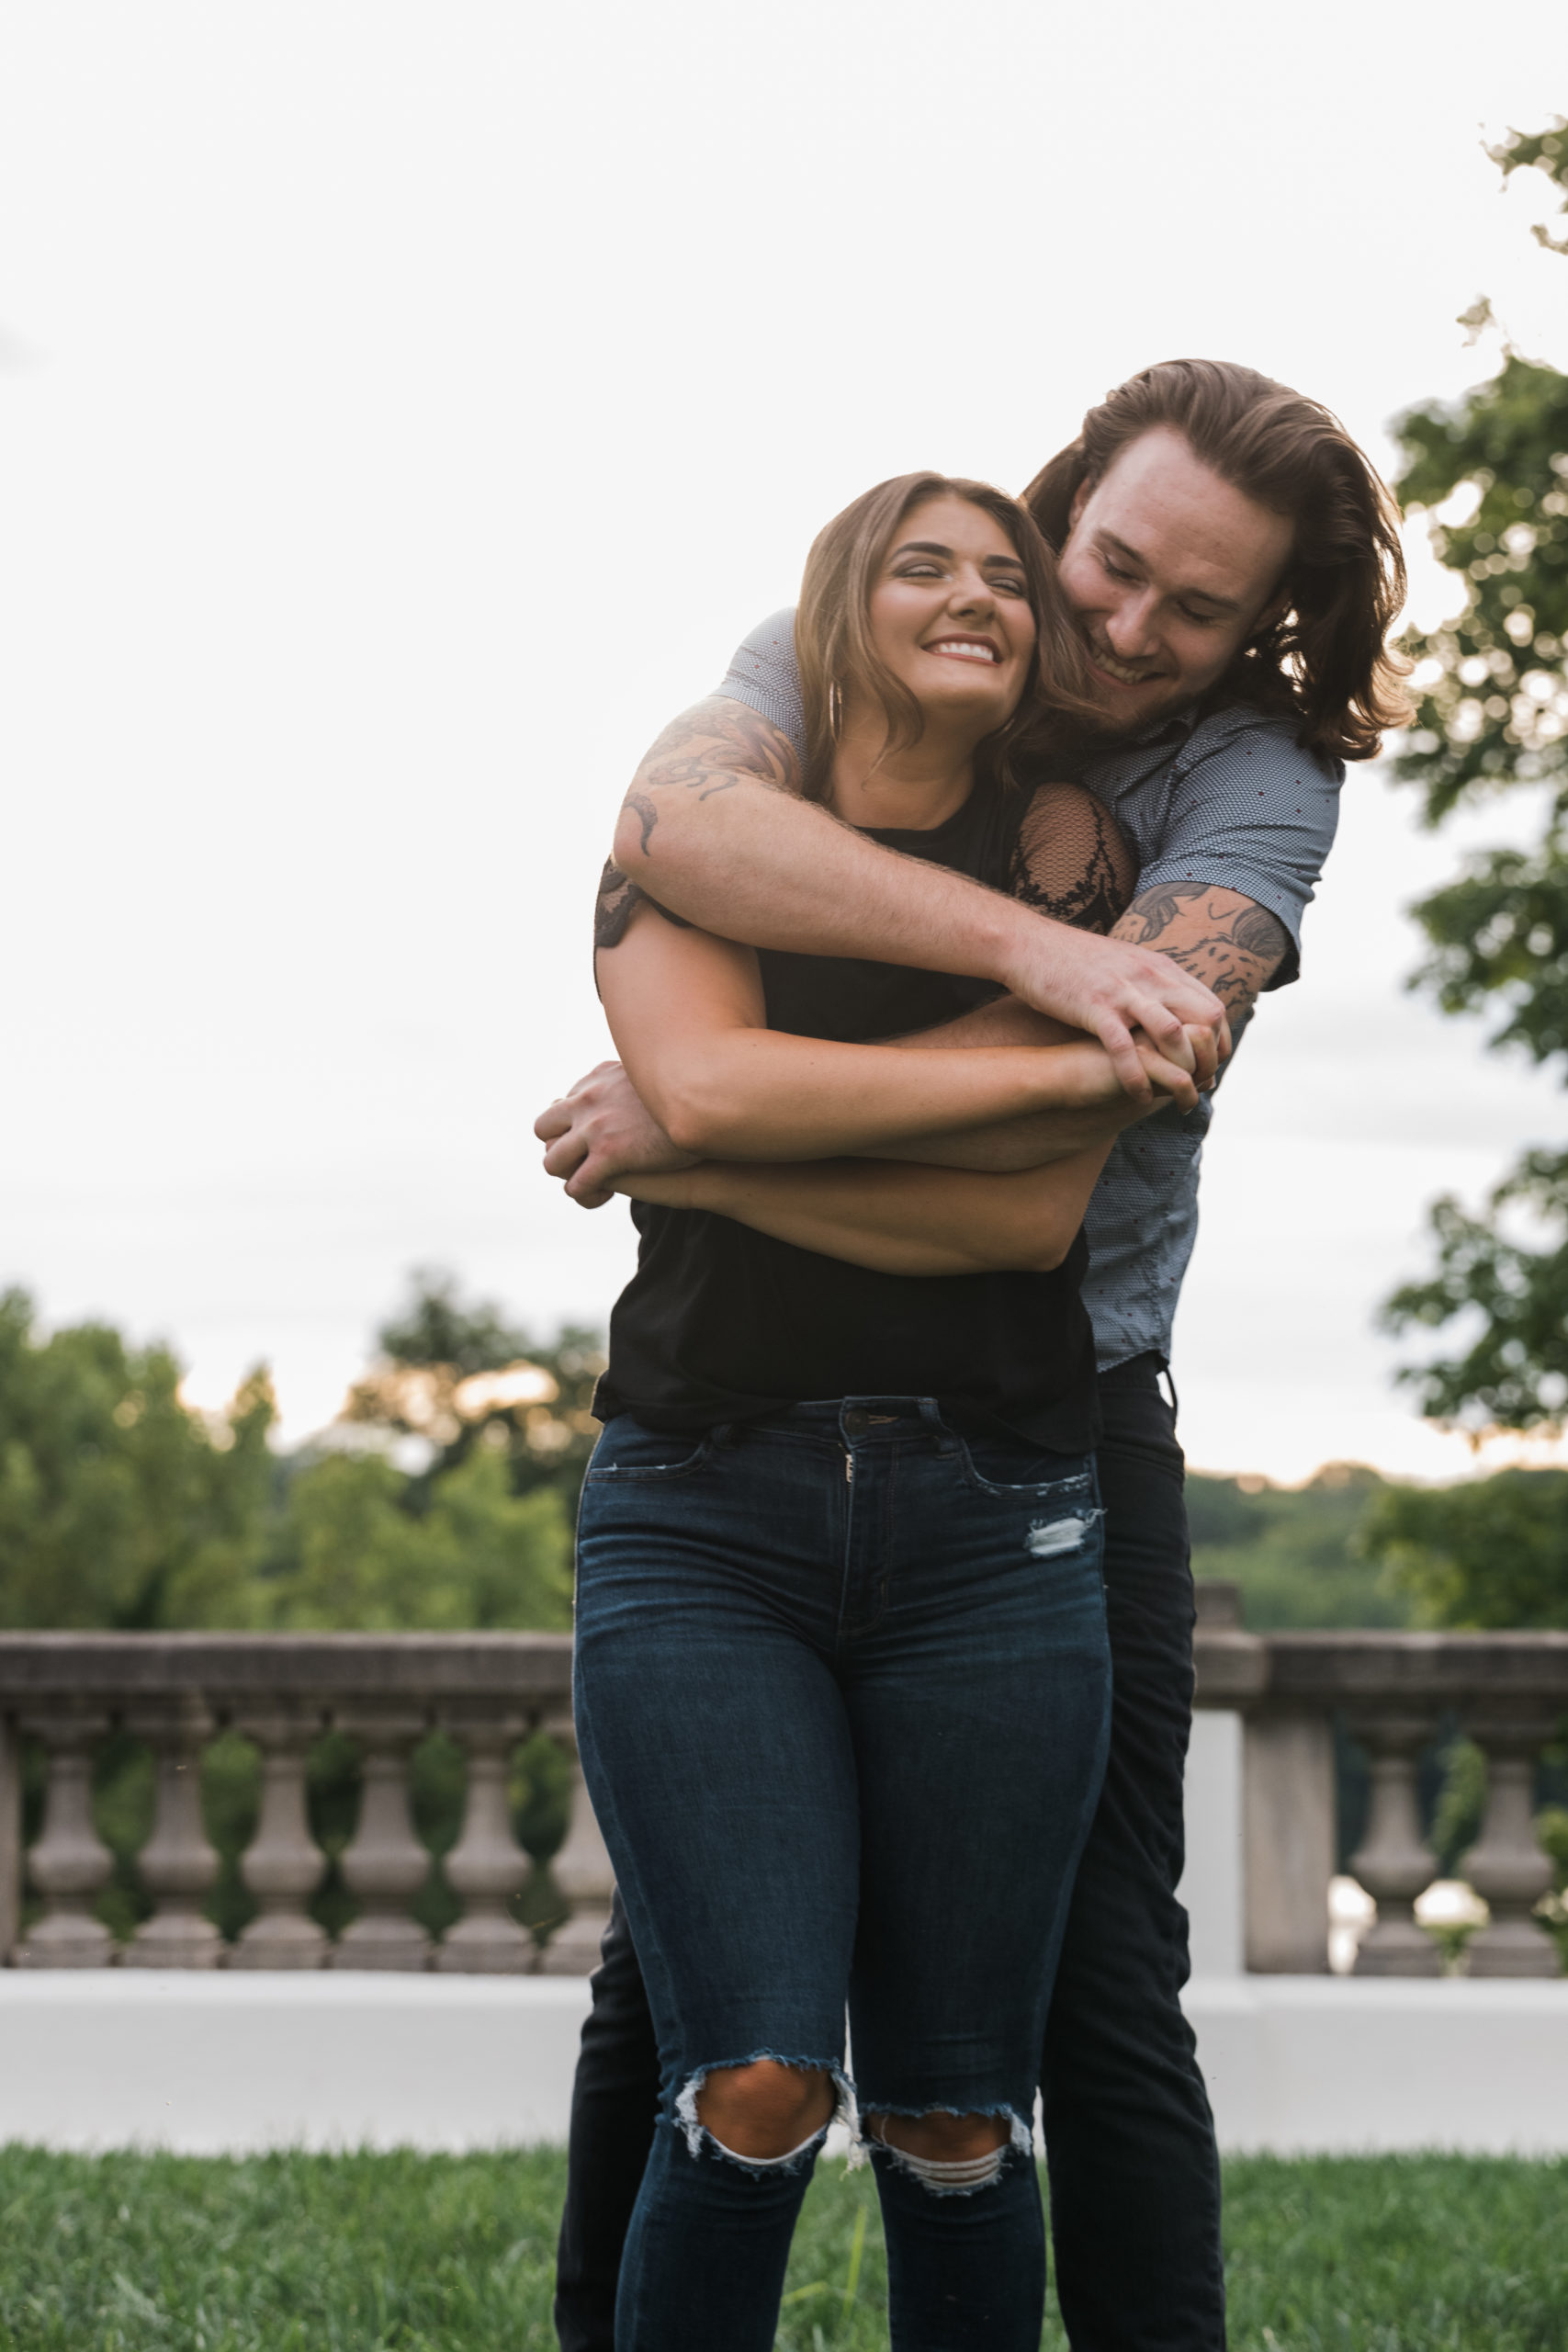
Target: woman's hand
[(601, 1130)]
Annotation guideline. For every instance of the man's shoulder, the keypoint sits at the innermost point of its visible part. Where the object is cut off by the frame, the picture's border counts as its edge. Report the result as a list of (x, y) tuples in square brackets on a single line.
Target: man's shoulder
[(1240, 728), (763, 673)]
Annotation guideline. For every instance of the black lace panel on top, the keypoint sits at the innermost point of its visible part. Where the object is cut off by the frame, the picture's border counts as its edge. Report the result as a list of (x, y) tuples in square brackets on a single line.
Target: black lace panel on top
[(1073, 861)]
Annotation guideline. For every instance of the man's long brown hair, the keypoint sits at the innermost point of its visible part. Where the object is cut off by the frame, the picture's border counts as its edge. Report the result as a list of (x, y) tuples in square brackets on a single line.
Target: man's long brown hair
[(1325, 660), (832, 632)]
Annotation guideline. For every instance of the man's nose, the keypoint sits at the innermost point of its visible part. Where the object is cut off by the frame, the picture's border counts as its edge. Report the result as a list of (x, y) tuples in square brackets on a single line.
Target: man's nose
[(1130, 627)]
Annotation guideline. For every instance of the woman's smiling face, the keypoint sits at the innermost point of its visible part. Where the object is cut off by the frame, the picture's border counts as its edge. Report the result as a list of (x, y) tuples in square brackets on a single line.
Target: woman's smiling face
[(949, 614)]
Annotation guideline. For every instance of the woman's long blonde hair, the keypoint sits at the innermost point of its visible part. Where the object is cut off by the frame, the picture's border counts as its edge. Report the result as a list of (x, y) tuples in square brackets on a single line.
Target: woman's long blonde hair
[(832, 631)]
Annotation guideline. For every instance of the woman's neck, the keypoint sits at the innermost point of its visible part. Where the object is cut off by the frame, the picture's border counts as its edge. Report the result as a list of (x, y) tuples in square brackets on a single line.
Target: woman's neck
[(917, 789)]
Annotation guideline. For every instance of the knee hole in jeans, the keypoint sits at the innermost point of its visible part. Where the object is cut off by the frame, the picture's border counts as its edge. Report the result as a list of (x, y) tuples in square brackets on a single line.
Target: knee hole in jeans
[(950, 2155), (763, 2112)]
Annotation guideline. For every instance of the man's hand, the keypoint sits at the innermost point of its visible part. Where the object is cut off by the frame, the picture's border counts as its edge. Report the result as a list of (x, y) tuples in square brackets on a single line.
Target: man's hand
[(601, 1131), (1113, 990)]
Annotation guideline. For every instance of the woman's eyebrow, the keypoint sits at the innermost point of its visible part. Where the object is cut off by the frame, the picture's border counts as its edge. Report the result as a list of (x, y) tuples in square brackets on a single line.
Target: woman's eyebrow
[(934, 547)]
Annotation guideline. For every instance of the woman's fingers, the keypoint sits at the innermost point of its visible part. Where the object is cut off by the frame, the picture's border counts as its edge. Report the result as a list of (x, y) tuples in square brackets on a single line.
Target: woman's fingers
[(1169, 1078), (553, 1120)]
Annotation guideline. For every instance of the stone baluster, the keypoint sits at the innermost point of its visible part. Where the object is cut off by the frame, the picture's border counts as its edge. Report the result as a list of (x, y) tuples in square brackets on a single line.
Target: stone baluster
[(10, 1839), (1288, 1817), (582, 1872), (283, 1864), (487, 1864), (386, 1865), (177, 1864), (1392, 1863), (1506, 1866), (69, 1864)]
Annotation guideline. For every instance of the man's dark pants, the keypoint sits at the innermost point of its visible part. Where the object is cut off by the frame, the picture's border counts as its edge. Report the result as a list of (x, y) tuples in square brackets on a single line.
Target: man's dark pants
[(1135, 2178)]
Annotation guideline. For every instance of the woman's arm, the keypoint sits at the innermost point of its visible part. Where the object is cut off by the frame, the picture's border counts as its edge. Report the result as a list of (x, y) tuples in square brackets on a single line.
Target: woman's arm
[(897, 1219), (687, 1015)]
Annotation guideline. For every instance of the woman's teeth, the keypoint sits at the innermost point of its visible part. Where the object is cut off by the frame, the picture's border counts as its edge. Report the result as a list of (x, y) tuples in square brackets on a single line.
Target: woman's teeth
[(964, 649)]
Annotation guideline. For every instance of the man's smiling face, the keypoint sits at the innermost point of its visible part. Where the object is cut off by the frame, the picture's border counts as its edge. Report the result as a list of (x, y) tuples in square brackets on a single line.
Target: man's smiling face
[(1170, 572)]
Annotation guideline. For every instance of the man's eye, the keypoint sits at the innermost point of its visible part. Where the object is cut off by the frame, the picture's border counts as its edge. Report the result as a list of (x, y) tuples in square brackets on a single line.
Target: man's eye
[(1115, 570), (1203, 620)]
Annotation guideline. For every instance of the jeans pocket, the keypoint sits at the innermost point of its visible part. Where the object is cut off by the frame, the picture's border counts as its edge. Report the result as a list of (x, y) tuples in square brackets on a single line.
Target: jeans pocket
[(629, 1451), (1018, 1472)]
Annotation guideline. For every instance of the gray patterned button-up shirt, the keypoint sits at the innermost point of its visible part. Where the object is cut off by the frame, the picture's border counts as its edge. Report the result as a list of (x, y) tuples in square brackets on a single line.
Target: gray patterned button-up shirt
[(1230, 799)]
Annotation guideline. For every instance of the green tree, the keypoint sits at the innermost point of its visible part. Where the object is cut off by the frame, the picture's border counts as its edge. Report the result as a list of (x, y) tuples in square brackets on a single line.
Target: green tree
[(1294, 1551), (458, 1375), (1493, 715), (352, 1556), (120, 1506), (1494, 1555)]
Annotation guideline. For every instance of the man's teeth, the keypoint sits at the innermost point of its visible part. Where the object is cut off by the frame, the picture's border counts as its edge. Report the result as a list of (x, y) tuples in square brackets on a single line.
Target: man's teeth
[(959, 645), (1118, 670)]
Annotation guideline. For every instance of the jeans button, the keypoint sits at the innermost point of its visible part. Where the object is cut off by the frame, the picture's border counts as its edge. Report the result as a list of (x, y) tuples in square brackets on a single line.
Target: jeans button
[(857, 1421)]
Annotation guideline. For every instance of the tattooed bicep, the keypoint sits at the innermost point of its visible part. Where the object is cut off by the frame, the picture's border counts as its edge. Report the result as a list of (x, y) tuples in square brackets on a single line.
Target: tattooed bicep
[(714, 744)]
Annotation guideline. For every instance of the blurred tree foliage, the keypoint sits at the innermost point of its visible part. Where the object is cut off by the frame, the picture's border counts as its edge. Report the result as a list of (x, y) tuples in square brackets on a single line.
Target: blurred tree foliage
[(118, 1506), (1494, 1555), (1294, 1551), (1494, 714), (121, 1506), (455, 1376)]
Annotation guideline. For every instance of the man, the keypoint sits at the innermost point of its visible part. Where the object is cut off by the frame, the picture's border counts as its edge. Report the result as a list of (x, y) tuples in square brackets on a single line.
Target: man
[(1233, 563)]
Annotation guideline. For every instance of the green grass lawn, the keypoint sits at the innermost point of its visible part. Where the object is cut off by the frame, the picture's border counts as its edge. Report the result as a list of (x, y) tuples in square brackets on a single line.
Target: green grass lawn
[(438, 2254)]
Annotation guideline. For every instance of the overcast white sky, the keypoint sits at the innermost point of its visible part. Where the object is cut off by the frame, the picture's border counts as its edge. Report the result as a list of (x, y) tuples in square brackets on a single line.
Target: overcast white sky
[(403, 411)]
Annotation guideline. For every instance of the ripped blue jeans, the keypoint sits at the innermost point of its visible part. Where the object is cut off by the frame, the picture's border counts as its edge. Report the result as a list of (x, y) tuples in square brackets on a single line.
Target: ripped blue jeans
[(842, 1699)]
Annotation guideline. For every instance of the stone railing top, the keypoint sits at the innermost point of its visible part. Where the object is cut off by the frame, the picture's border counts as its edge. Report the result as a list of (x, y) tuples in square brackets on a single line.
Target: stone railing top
[(1319, 1670), (1234, 1668), (535, 1667)]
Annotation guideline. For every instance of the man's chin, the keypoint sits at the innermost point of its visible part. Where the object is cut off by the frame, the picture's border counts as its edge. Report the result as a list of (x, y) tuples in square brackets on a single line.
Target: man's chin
[(1129, 710)]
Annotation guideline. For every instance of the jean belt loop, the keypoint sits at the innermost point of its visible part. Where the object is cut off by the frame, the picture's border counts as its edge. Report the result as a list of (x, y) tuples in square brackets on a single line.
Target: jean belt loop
[(932, 1415)]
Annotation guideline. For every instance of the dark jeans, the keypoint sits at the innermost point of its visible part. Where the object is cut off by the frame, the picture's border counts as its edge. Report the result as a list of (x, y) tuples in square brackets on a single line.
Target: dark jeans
[(842, 1698), (1135, 2179)]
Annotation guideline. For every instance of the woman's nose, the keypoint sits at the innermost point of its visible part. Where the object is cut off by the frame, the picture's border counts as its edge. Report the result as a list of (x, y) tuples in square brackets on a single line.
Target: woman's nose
[(972, 592)]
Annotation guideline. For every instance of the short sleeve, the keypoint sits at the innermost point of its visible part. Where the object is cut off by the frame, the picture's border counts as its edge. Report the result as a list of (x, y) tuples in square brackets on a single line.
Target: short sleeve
[(762, 674), (1251, 811)]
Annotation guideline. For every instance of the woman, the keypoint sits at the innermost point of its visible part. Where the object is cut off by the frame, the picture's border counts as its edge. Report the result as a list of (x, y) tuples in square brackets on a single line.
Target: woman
[(840, 1654)]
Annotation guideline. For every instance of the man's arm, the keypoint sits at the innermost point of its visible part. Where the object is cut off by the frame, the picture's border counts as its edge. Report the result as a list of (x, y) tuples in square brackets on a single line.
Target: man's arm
[(713, 827), (1221, 937)]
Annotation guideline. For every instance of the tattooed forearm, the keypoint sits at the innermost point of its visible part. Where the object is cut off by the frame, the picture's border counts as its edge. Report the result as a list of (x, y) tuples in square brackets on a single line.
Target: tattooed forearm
[(1228, 942), (647, 814)]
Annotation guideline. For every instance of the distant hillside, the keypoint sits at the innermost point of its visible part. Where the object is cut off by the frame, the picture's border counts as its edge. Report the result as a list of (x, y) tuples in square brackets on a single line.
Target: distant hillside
[(1290, 1548)]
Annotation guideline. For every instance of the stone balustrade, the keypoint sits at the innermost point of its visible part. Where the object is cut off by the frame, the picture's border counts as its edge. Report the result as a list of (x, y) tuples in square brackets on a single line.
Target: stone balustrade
[(385, 1692), (1395, 1693), (70, 1692)]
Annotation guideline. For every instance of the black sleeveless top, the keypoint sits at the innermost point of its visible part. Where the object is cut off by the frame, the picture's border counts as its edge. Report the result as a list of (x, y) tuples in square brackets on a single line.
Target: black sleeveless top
[(721, 1324)]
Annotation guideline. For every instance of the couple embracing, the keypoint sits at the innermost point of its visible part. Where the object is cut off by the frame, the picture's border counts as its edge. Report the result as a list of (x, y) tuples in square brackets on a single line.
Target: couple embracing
[(922, 946)]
